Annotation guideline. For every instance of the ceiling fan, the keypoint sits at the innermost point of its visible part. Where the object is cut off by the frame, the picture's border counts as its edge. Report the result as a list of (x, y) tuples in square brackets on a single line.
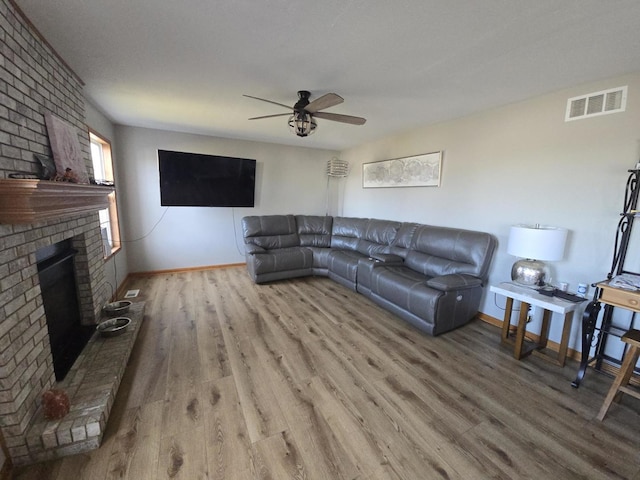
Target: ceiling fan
[(303, 120)]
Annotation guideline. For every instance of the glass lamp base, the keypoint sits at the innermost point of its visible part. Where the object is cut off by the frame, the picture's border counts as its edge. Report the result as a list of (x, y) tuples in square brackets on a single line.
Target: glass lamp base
[(529, 272)]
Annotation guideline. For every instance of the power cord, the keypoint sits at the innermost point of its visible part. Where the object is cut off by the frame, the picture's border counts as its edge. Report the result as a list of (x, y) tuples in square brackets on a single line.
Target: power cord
[(495, 301), (114, 290), (150, 231), (235, 232)]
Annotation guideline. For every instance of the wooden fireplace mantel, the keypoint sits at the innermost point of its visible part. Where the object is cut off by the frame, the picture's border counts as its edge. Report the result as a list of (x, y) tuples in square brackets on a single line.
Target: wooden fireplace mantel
[(28, 201)]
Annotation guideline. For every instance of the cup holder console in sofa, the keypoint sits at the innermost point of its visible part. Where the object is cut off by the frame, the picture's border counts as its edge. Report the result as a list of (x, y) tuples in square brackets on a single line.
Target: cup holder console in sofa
[(432, 277)]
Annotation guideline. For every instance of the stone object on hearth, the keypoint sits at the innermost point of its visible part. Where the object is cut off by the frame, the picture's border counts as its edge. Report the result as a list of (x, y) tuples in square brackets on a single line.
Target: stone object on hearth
[(55, 404)]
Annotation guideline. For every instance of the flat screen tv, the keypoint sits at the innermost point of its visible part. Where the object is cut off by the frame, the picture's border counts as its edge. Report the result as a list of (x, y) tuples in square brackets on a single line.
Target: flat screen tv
[(198, 180)]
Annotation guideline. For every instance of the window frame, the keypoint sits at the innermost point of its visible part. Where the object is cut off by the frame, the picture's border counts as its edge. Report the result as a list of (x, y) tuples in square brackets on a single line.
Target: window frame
[(107, 163)]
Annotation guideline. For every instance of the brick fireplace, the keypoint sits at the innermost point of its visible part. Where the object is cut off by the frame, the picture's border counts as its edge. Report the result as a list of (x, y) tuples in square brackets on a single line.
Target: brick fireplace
[(26, 364), (34, 80)]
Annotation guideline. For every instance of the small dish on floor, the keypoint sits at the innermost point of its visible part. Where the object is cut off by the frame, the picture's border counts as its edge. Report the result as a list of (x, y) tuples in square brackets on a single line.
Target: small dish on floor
[(115, 309), (113, 327)]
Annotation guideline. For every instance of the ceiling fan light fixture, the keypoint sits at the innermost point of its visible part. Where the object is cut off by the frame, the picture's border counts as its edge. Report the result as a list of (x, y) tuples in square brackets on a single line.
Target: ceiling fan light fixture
[(302, 124), (303, 120)]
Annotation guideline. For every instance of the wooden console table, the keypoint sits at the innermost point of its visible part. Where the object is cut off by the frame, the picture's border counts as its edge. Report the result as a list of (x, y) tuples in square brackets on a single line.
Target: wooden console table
[(611, 297), (529, 297)]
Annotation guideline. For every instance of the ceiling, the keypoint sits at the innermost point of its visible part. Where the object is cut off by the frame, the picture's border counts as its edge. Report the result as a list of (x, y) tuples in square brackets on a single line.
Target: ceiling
[(184, 65)]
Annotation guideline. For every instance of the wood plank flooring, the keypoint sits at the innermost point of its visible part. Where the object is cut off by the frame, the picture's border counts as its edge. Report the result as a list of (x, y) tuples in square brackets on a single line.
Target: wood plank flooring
[(304, 379)]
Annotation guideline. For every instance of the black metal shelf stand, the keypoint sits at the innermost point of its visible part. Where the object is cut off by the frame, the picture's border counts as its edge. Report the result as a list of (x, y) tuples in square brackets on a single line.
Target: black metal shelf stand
[(591, 332)]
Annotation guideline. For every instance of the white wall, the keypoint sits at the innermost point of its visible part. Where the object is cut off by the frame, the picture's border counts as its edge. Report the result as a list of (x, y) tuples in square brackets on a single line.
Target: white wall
[(518, 164), (116, 268), (288, 180)]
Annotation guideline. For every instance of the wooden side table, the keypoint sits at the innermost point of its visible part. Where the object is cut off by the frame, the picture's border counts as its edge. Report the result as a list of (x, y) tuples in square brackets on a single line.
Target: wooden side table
[(618, 297), (610, 297), (530, 297)]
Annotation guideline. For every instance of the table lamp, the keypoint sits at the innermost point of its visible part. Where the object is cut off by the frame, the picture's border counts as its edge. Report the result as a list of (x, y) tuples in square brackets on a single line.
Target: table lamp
[(535, 243)]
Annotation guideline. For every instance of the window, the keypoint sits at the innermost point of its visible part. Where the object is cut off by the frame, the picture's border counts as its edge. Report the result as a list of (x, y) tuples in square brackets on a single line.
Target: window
[(103, 170)]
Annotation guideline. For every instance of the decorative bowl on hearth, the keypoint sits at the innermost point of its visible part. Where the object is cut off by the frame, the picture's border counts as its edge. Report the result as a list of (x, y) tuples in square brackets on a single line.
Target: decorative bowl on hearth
[(113, 327), (115, 309)]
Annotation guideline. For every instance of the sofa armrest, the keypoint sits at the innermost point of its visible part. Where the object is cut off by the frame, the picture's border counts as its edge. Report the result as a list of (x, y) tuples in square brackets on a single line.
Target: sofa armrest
[(252, 249), (386, 258), (454, 281)]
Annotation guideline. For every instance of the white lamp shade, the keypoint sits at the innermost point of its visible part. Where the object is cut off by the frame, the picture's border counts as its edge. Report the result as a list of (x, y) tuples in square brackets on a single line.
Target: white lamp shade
[(537, 242)]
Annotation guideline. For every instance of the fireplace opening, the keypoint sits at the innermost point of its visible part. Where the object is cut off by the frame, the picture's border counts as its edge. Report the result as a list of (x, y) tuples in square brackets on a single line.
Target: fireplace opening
[(67, 335)]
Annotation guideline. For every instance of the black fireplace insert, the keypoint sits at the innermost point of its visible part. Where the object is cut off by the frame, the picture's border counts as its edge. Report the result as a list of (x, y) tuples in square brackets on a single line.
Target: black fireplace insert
[(67, 335)]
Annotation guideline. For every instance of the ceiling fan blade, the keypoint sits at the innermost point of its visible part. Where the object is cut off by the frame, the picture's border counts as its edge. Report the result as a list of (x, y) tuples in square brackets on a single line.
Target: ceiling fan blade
[(325, 101), (336, 117), (269, 101), (271, 116)]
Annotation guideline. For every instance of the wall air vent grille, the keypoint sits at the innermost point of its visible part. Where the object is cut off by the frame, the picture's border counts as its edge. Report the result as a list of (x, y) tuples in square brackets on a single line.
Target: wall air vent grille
[(597, 103)]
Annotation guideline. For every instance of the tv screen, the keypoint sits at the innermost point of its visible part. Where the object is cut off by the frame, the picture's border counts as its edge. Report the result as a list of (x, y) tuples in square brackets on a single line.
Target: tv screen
[(198, 180)]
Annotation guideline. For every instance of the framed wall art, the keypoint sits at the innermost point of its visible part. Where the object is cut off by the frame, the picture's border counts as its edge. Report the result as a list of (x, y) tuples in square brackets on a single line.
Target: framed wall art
[(67, 153), (416, 171)]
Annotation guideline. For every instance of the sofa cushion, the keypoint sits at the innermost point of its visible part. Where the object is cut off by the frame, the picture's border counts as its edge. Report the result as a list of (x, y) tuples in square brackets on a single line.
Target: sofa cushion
[(250, 248), (346, 232), (270, 231), (402, 242), (344, 263), (282, 259), (314, 231), (437, 251), (407, 289), (378, 236), (320, 257)]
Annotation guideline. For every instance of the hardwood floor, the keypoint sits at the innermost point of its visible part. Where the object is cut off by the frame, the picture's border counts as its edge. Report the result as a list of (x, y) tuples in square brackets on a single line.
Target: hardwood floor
[(304, 379)]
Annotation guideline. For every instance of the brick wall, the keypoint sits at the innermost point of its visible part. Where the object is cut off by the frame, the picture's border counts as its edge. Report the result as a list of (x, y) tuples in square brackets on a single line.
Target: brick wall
[(33, 81)]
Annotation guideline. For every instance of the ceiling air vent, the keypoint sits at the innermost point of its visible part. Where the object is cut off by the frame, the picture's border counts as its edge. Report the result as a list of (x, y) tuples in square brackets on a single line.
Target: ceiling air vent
[(597, 103)]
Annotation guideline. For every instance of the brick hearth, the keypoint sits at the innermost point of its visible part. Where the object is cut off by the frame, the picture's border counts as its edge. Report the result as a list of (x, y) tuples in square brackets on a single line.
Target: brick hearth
[(92, 384)]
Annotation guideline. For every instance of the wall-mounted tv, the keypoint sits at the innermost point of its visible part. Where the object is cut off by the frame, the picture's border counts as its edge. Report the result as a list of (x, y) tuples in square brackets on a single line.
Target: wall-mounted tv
[(198, 180)]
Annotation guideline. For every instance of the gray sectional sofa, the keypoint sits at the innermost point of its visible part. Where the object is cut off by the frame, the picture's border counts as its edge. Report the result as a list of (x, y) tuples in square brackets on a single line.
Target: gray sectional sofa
[(432, 277)]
